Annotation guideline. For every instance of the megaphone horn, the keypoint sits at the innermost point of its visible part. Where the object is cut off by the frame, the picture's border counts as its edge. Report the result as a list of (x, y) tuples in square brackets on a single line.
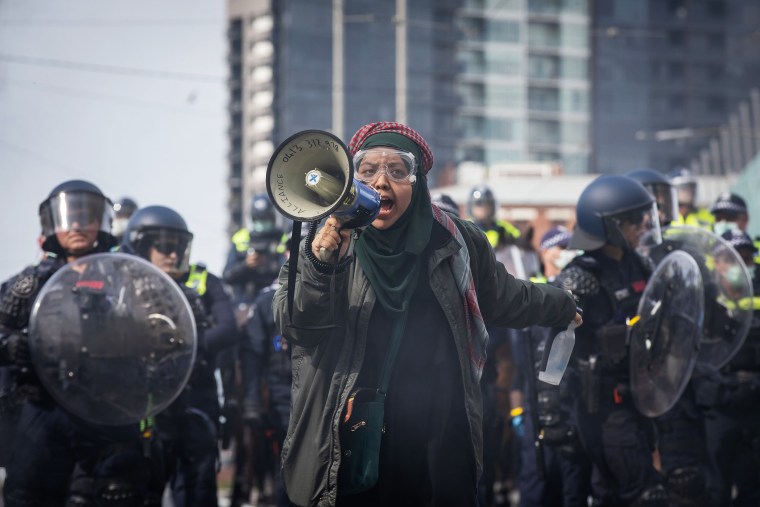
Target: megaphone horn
[(311, 175)]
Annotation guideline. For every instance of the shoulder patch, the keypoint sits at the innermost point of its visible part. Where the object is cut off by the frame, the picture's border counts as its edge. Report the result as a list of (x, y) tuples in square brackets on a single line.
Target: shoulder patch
[(578, 280), (24, 286)]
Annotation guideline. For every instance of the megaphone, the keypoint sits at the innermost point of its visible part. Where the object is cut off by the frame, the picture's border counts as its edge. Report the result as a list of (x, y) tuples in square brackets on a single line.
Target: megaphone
[(311, 176)]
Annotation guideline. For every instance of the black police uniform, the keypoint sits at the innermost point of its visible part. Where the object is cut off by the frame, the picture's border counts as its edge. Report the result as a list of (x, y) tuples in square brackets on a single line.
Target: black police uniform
[(188, 429), (50, 443), (618, 439), (58, 458), (732, 421), (265, 359), (197, 411), (566, 475)]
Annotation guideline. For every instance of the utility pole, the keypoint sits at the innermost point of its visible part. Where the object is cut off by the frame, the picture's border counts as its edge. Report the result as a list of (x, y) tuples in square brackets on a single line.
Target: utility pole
[(337, 69), (401, 61)]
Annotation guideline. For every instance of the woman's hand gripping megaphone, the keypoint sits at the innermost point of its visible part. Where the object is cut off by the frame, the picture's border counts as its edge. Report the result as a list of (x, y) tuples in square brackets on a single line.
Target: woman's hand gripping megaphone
[(331, 242)]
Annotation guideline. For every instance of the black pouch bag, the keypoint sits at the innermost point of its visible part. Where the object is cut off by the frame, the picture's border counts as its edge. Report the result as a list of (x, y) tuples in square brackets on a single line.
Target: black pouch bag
[(361, 432)]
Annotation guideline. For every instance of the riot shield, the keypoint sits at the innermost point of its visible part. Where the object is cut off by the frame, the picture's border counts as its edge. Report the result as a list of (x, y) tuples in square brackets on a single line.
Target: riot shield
[(112, 338), (665, 336), (520, 262), (727, 288)]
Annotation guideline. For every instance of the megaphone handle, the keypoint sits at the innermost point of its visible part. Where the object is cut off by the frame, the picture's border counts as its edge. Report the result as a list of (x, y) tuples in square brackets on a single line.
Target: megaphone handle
[(324, 255)]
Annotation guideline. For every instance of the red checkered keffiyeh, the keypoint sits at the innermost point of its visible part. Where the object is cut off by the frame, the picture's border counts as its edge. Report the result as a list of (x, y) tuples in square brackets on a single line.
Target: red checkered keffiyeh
[(477, 335), (391, 126)]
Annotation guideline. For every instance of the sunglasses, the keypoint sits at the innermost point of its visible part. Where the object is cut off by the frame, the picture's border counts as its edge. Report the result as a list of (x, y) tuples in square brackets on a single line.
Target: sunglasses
[(166, 247), (633, 217)]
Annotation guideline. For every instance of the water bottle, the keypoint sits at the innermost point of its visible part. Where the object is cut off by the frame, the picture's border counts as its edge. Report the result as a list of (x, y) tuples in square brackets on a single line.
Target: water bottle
[(554, 363)]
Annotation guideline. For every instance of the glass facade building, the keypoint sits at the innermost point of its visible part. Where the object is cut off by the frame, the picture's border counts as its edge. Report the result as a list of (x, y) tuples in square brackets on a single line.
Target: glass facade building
[(661, 66)]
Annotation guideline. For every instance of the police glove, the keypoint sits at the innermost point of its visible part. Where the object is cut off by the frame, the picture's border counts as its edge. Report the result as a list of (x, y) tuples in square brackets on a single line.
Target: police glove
[(14, 349)]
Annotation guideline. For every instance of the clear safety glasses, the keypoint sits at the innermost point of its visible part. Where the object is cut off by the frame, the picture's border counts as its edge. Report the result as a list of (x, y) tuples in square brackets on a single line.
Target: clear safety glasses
[(398, 165)]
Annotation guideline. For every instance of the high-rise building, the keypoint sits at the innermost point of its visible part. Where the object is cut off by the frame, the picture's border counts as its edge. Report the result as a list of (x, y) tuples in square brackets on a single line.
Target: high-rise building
[(334, 65), (484, 80), (666, 75), (596, 86), (523, 82)]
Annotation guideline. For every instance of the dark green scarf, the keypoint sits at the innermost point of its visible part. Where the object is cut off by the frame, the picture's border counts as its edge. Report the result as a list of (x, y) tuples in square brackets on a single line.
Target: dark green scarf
[(391, 258)]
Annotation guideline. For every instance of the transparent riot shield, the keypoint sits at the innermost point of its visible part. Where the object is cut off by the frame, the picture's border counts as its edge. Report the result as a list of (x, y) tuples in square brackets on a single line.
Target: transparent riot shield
[(112, 338), (665, 334), (727, 288), (520, 262)]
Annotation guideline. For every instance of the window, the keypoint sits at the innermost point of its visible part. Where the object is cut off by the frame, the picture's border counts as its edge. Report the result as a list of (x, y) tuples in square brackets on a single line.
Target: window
[(543, 35), (543, 67), (503, 96), (542, 131), (574, 101), (716, 9), (716, 41), (575, 36), (543, 99), (676, 38), (716, 104), (676, 70), (574, 68)]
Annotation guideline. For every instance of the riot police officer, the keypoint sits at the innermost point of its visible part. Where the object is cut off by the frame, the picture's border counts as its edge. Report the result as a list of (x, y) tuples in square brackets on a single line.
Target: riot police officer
[(680, 430), (123, 209), (266, 365), (613, 212), (481, 207), (732, 421), (254, 260), (553, 470), (189, 428), (730, 212), (689, 213), (49, 442)]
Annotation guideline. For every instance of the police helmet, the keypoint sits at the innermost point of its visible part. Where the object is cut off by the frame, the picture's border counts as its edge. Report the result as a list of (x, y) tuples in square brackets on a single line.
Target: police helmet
[(662, 190), (262, 214), (445, 202), (76, 205), (161, 229), (481, 196), (729, 204), (123, 209), (686, 185), (605, 205)]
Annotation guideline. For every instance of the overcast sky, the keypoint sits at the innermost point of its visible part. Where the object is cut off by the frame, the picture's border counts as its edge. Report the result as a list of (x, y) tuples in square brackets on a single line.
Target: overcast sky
[(128, 95)]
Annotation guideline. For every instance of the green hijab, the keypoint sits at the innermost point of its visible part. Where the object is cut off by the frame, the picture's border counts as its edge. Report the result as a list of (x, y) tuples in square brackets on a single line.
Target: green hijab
[(391, 258)]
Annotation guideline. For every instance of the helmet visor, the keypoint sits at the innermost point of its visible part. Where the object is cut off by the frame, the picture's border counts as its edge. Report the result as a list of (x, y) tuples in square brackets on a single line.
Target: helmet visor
[(397, 165), (168, 249), (687, 193), (626, 228), (666, 198), (75, 211)]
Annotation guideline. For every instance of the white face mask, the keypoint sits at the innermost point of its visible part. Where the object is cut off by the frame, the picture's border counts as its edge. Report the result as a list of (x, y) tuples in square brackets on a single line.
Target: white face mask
[(724, 226), (564, 258)]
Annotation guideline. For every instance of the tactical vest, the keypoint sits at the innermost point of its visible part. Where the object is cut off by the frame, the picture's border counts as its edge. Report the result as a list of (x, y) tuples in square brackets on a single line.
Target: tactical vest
[(612, 336), (502, 233), (197, 278), (701, 218)]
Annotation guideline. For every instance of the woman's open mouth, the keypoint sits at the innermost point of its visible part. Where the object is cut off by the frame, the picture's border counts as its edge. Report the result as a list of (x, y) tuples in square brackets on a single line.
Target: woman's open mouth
[(386, 205)]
